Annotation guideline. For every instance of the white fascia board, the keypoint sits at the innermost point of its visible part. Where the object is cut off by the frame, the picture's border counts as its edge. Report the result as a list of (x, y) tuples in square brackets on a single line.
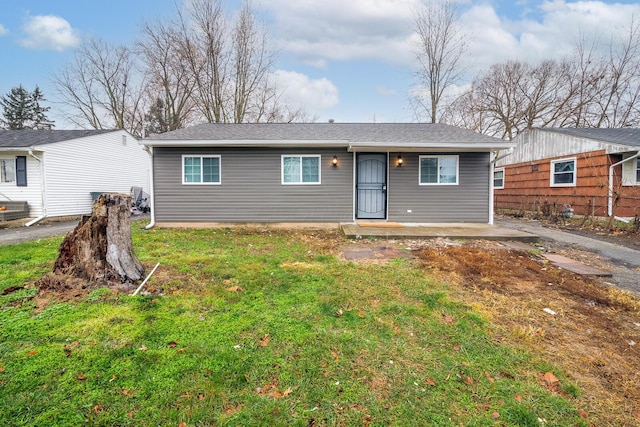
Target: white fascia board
[(431, 147), (330, 143), (620, 149)]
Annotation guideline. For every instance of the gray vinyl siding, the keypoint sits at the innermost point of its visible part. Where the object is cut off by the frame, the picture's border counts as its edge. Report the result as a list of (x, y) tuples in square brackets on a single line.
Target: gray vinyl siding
[(251, 188), (466, 202)]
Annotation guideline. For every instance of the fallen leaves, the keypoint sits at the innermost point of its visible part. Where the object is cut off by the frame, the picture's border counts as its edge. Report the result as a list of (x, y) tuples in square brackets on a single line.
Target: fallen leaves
[(550, 382), (271, 390), (265, 340), (447, 319)]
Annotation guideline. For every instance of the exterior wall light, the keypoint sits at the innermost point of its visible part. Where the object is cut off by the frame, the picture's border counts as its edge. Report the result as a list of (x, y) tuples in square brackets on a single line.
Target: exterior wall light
[(400, 161), (335, 161)]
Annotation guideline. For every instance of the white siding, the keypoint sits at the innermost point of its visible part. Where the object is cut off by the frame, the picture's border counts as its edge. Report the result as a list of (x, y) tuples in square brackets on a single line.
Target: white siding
[(100, 163), (31, 193), (629, 169), (538, 144)]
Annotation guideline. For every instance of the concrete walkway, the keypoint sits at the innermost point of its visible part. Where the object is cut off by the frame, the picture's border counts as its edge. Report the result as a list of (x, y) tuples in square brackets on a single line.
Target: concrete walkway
[(468, 231)]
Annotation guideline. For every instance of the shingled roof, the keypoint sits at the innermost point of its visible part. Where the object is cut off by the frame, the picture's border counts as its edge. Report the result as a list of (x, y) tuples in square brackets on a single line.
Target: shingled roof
[(31, 138), (622, 136), (346, 134)]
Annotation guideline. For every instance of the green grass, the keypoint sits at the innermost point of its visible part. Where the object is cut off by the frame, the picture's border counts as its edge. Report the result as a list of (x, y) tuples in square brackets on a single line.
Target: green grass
[(308, 340)]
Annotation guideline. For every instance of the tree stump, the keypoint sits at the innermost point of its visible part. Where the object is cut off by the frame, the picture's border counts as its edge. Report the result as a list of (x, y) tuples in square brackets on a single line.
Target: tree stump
[(99, 251)]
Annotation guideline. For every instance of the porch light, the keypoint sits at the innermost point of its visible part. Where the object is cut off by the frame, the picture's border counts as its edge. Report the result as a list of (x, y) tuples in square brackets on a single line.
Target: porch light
[(399, 161), (335, 161)]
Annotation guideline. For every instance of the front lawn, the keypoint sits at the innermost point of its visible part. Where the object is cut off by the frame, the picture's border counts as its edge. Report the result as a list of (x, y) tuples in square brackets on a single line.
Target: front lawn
[(262, 327)]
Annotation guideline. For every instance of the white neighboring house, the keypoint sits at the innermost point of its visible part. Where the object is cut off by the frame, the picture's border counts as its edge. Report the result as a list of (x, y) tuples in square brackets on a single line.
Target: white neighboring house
[(55, 171)]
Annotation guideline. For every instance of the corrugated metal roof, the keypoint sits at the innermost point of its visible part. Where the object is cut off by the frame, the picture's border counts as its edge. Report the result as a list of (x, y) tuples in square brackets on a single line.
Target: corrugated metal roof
[(419, 133), (622, 136), (30, 138)]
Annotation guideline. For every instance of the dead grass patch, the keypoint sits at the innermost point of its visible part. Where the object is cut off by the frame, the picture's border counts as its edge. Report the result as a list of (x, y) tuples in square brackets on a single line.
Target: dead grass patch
[(594, 335)]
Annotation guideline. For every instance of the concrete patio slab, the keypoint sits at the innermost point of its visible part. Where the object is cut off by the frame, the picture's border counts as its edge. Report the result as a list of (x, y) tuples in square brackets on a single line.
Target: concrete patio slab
[(466, 231), (576, 266)]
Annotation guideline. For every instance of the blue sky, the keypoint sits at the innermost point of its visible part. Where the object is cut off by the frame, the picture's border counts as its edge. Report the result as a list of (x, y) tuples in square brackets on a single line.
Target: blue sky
[(346, 60)]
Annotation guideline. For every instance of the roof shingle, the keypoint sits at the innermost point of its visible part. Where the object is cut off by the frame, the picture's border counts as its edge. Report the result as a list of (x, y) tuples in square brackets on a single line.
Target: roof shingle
[(29, 138), (352, 132)]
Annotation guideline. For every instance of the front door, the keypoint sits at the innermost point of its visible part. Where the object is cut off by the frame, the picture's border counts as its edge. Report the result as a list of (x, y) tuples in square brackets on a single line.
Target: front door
[(371, 186)]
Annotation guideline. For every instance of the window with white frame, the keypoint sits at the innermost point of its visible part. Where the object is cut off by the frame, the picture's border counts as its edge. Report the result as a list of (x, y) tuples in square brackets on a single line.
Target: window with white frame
[(200, 169), (300, 169), (434, 170), (563, 173), (637, 171), (498, 178), (7, 170)]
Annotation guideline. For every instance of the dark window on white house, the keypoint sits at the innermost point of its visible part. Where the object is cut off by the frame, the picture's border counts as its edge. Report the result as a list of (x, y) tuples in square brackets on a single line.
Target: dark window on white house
[(563, 173), (21, 171), (637, 171)]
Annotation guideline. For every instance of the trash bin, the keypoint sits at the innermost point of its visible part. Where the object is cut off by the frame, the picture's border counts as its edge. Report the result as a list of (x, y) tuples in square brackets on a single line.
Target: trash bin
[(95, 195)]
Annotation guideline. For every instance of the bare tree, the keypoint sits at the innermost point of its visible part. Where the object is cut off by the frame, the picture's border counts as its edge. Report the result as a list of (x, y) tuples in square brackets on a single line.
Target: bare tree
[(252, 63), (230, 62), (440, 49), (622, 81), (170, 84), (584, 90), (102, 87)]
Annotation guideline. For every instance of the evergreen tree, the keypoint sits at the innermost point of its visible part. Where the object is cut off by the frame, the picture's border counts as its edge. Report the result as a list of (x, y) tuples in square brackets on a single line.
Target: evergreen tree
[(40, 119), (22, 110), (156, 119)]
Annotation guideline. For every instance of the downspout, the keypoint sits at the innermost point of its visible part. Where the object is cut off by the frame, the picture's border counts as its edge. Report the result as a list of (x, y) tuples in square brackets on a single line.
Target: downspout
[(151, 190), (42, 192), (610, 195), (491, 172)]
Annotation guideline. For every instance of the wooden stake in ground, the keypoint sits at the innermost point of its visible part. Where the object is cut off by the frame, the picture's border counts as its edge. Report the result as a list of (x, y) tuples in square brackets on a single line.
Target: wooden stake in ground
[(99, 249)]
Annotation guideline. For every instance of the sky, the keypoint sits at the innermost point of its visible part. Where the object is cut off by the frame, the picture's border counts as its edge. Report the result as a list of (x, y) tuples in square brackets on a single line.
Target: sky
[(346, 60)]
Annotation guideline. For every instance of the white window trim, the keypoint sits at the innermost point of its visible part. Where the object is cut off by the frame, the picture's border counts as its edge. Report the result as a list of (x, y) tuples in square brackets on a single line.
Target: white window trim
[(552, 172), (457, 157), (318, 156), (636, 170), (494, 178), (202, 156)]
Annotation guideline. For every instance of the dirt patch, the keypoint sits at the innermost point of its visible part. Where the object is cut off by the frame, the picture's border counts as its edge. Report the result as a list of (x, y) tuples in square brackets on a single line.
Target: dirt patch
[(594, 334)]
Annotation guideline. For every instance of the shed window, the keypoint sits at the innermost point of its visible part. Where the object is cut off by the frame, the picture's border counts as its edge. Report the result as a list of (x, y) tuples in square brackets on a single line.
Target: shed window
[(563, 173), (498, 178), (637, 171), (7, 170), (301, 169), (438, 170), (201, 169)]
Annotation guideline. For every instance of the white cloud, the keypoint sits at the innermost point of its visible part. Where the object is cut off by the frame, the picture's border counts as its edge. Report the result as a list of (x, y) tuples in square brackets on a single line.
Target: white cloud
[(3, 30), (386, 91), (318, 31), (314, 95), (48, 32), (552, 35)]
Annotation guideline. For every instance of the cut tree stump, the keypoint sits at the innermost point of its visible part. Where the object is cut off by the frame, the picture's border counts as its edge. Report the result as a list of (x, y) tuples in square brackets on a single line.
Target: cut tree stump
[(99, 251)]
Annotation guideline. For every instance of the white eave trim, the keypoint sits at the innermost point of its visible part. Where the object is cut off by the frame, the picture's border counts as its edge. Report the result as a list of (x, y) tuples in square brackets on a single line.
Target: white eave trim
[(351, 146), (430, 147)]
